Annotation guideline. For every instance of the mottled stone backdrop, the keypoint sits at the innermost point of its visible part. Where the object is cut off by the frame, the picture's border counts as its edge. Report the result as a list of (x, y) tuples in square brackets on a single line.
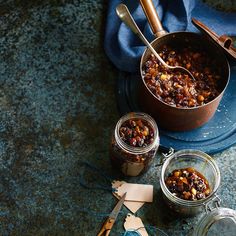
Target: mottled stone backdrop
[(58, 108)]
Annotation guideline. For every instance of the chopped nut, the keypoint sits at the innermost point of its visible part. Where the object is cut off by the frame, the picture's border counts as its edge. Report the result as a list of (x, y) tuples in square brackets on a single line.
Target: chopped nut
[(193, 191), (207, 192), (163, 77), (184, 179), (186, 195), (190, 169), (177, 173), (200, 98), (137, 129)]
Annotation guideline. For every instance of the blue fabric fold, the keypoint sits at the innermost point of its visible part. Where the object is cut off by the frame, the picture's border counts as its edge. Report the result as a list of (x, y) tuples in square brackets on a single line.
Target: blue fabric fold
[(125, 49)]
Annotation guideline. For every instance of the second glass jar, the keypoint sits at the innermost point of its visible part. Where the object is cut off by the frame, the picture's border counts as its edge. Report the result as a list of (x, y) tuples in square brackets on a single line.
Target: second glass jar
[(130, 159), (201, 162)]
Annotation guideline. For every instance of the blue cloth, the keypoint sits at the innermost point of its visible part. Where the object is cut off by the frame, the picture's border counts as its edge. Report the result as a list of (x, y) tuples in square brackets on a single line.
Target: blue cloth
[(124, 48), (131, 233)]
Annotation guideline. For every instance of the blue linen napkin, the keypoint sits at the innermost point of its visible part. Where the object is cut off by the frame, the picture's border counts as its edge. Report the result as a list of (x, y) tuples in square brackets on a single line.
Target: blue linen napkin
[(125, 49)]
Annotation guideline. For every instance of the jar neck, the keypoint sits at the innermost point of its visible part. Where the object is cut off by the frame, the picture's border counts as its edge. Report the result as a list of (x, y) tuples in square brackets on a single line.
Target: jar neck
[(137, 150)]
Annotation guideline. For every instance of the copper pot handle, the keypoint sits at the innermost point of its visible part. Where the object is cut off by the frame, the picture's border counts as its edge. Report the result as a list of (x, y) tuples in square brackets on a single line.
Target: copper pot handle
[(153, 18)]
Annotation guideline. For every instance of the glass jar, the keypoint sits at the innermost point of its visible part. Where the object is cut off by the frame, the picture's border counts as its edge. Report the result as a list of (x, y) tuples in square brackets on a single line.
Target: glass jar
[(133, 160), (217, 221), (201, 162)]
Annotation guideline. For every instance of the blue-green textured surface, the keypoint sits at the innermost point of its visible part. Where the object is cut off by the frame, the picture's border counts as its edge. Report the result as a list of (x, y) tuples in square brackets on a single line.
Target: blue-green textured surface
[(57, 108)]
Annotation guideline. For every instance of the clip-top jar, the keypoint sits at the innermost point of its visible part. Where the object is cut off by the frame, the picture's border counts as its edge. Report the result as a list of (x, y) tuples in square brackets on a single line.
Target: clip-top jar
[(217, 220), (201, 162), (134, 143)]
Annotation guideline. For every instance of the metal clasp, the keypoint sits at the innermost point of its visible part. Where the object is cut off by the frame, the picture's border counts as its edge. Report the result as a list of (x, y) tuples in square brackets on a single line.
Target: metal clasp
[(212, 204), (166, 152)]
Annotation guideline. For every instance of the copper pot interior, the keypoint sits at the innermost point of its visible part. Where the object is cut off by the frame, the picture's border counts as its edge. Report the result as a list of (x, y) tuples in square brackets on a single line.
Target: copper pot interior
[(185, 118)]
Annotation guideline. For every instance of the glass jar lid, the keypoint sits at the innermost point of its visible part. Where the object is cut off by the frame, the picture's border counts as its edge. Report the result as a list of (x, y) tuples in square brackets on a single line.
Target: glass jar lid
[(219, 221)]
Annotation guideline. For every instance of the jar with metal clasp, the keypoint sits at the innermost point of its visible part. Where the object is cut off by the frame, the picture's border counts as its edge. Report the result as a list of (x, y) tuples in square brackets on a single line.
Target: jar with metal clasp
[(217, 220)]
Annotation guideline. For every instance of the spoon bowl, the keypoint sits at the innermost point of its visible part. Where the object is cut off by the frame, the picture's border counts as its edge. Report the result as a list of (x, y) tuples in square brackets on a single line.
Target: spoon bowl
[(124, 14)]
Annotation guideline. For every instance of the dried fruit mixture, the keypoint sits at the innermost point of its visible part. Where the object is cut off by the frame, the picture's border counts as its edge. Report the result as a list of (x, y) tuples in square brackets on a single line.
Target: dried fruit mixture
[(136, 133), (188, 184), (179, 89)]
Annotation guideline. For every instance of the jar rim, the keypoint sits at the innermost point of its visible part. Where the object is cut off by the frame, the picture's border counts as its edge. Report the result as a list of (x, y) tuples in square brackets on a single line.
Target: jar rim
[(137, 115), (178, 200), (212, 217)]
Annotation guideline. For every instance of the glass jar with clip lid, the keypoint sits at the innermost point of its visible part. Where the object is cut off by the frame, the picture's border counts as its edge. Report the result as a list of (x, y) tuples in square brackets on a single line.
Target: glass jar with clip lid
[(189, 182)]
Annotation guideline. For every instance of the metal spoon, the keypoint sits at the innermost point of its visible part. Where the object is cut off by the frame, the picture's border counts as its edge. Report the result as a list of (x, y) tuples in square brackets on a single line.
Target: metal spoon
[(124, 14)]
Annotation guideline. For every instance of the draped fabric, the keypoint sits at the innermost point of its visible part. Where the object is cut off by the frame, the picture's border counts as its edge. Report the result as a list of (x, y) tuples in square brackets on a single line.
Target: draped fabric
[(124, 48)]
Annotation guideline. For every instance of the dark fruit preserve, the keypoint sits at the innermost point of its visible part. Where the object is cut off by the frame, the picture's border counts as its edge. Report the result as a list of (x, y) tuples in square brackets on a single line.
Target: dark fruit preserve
[(178, 89), (188, 184), (134, 143), (136, 133)]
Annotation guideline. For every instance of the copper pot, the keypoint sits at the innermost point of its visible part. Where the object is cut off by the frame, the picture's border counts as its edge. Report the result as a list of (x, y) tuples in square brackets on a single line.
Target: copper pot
[(167, 116)]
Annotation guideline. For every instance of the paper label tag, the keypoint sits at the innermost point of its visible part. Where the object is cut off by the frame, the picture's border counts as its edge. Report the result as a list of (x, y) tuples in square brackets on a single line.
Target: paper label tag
[(134, 223), (136, 192), (132, 206)]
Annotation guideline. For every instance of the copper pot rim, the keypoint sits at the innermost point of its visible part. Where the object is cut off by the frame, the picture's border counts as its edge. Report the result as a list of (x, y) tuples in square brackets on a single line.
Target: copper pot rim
[(185, 108)]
